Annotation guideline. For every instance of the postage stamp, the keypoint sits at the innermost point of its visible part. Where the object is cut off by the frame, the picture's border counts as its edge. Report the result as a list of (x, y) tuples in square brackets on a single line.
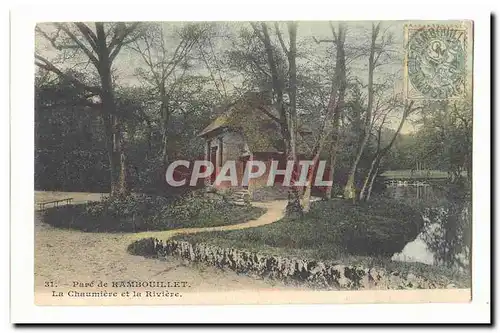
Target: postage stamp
[(436, 61), (247, 162)]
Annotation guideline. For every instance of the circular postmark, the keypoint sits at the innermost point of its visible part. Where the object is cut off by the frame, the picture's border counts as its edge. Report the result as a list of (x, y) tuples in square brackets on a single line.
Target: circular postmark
[(436, 62)]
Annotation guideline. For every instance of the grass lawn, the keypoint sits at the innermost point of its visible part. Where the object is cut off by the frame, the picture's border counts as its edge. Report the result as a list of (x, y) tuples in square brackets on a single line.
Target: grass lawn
[(337, 231), (138, 212)]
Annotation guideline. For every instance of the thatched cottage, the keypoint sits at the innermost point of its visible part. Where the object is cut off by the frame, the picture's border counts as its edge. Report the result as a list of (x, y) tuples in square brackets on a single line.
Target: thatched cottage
[(243, 132)]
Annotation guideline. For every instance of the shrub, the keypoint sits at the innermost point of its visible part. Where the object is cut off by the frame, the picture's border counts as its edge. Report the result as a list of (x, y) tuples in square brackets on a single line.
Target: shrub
[(381, 227), (143, 247), (139, 212)]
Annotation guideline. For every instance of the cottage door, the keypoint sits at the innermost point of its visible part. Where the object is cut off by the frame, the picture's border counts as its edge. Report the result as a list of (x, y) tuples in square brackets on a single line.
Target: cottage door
[(213, 159), (240, 169)]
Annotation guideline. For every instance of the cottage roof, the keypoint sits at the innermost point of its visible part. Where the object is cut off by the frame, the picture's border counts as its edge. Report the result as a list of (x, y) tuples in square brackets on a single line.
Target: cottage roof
[(221, 121), (248, 115)]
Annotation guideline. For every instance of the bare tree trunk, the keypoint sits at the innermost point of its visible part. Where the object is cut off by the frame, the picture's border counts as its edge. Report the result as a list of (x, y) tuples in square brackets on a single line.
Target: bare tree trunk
[(350, 188), (108, 129), (371, 184), (287, 120), (294, 207), (372, 173), (375, 162), (111, 134), (368, 179), (306, 199), (149, 134), (165, 115), (117, 157), (123, 188), (120, 186), (336, 101), (335, 146), (331, 171), (342, 77)]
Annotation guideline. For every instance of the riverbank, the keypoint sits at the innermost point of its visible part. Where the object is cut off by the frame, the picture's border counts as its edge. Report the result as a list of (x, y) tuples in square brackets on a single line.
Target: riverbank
[(364, 236)]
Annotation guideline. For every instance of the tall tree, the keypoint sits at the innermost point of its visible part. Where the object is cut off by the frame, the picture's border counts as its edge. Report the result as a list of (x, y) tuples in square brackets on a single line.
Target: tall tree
[(330, 123), (287, 119), (100, 44), (162, 62), (380, 153), (445, 137), (342, 78), (378, 54), (209, 54)]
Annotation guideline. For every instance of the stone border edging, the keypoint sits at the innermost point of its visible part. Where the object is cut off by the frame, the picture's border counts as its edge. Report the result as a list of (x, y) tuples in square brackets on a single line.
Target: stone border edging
[(315, 273)]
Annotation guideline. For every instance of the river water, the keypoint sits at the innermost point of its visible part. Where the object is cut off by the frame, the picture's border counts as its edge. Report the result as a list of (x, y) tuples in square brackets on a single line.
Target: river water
[(446, 237)]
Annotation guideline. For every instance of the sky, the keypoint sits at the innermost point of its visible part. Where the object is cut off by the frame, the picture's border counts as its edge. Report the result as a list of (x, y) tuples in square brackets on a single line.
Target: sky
[(358, 34)]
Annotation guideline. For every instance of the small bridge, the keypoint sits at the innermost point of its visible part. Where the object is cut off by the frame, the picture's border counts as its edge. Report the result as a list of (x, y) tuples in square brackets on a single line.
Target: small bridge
[(412, 177)]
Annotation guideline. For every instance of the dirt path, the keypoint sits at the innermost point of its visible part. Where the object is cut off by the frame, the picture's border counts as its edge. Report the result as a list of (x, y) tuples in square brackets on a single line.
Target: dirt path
[(274, 212), (64, 256)]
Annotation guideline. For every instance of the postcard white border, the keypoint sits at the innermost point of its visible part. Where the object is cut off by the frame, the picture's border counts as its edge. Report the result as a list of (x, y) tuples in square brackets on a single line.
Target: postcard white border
[(23, 20)]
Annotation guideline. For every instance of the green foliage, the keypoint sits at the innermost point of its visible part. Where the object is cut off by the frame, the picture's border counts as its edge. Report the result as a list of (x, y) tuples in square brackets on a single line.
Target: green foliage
[(333, 229), (139, 212), (443, 141), (70, 146), (70, 152), (449, 229), (142, 247)]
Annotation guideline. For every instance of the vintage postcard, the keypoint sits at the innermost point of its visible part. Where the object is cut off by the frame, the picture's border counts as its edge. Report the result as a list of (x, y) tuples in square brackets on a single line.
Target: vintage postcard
[(253, 162)]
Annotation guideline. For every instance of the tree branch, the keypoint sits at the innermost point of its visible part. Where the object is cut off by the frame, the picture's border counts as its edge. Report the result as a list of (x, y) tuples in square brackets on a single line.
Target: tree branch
[(255, 63), (81, 46), (280, 38), (53, 40), (269, 114), (257, 31), (88, 34), (148, 60), (318, 41), (407, 111), (332, 28), (122, 31), (47, 65)]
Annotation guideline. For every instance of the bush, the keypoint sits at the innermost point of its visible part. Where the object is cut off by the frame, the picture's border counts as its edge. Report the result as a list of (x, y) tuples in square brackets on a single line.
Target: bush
[(139, 212), (381, 227)]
